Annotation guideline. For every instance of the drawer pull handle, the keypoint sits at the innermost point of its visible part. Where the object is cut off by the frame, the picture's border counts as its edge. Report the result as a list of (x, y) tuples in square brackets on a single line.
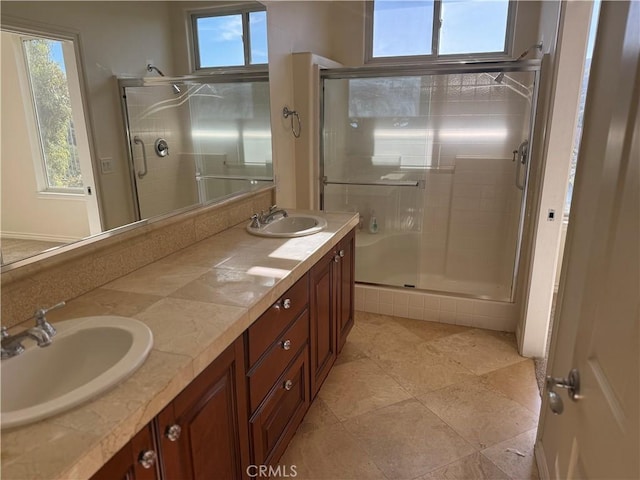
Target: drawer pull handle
[(341, 253), (286, 304), (173, 432), (286, 345), (288, 385), (147, 458)]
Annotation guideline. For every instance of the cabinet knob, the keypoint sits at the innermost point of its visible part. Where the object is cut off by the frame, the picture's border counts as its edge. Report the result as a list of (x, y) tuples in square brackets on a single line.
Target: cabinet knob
[(286, 304), (336, 258), (173, 432), (288, 385), (286, 345), (341, 253), (147, 458)]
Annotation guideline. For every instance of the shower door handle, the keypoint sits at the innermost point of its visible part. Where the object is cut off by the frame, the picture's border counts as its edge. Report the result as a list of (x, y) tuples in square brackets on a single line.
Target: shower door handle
[(143, 172), (520, 155)]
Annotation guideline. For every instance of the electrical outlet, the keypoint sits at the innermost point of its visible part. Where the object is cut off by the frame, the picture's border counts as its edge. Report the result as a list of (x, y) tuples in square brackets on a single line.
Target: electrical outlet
[(106, 165)]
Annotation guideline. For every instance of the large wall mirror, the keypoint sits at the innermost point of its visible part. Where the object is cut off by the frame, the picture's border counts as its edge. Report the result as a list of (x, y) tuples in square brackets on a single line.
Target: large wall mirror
[(112, 113)]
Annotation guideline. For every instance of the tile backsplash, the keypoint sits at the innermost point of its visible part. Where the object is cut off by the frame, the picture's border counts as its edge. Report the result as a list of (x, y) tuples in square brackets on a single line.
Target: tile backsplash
[(79, 270)]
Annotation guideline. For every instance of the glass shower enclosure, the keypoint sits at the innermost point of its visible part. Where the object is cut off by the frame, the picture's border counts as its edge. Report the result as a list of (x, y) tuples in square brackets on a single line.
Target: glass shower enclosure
[(436, 163), (195, 140)]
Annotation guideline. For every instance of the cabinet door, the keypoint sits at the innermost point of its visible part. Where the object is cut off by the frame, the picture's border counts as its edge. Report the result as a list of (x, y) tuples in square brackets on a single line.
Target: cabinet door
[(203, 432), (275, 422), (137, 460), (346, 252), (322, 305)]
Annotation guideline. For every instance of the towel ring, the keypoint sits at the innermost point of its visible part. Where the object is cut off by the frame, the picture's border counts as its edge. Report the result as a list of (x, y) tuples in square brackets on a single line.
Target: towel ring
[(286, 113)]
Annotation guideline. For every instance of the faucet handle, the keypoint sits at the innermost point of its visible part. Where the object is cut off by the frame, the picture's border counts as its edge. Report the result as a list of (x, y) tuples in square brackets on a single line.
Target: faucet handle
[(3, 332), (273, 208), (41, 320), (255, 221)]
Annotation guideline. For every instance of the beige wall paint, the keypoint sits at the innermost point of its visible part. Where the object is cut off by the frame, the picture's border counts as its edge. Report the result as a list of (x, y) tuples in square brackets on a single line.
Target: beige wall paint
[(117, 39), (26, 213), (292, 27)]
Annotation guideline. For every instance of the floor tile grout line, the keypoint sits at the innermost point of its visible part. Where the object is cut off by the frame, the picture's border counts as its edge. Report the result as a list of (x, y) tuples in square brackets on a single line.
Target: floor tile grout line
[(474, 377)]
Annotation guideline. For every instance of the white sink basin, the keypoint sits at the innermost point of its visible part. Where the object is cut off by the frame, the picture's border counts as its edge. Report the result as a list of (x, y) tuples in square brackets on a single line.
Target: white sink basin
[(87, 356), (295, 225)]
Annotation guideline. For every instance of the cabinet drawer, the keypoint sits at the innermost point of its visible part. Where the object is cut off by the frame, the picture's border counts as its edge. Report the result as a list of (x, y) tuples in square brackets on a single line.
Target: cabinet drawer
[(271, 323), (275, 423), (263, 375)]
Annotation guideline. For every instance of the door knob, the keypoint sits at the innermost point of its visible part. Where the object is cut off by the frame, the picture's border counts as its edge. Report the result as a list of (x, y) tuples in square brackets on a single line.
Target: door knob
[(555, 402), (571, 383)]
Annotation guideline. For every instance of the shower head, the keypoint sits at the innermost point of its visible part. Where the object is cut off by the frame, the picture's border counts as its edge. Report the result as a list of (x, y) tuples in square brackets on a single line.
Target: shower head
[(499, 78), (526, 52), (151, 68)]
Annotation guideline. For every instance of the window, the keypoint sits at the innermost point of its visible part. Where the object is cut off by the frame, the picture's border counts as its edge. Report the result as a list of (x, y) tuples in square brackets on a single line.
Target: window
[(52, 106), (230, 38), (593, 27), (425, 29)]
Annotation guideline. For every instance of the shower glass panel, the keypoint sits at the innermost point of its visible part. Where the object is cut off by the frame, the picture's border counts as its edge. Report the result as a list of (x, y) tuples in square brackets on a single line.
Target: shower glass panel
[(218, 137), (441, 161)]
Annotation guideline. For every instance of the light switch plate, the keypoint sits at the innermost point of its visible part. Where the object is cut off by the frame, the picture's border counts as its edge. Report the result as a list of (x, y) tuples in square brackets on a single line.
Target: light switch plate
[(106, 165)]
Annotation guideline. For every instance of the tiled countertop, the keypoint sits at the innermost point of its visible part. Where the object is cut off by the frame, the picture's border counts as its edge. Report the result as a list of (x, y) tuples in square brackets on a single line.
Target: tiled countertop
[(196, 301)]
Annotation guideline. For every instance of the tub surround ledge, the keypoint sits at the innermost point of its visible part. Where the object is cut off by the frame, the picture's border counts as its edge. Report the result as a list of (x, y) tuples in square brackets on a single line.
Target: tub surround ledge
[(196, 301)]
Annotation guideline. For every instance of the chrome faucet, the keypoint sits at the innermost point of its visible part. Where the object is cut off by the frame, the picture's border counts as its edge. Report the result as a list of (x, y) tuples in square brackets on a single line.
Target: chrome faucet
[(273, 211), (12, 344), (42, 333), (261, 219), (41, 319)]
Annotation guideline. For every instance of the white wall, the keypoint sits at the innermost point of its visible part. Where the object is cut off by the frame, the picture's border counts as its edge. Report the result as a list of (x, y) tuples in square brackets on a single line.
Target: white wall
[(25, 212), (117, 39), (568, 64)]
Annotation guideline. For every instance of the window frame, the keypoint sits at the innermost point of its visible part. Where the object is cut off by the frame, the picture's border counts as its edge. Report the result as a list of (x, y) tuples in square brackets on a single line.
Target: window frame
[(194, 15), (435, 56), (45, 189)]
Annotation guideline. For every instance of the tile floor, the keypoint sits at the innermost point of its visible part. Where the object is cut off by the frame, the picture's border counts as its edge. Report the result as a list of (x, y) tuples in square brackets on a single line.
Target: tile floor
[(409, 399)]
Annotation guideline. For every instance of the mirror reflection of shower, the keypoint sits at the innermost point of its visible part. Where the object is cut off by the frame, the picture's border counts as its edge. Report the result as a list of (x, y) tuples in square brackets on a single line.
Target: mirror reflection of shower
[(219, 133), (153, 68)]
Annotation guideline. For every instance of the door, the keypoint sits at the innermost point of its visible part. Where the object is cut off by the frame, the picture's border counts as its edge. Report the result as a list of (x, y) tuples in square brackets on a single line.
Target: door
[(597, 331), (81, 136), (204, 430), (436, 164), (322, 311), (137, 460), (345, 289)]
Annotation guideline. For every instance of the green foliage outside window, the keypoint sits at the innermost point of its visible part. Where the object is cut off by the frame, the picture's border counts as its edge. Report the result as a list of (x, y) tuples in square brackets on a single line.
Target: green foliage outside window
[(53, 111)]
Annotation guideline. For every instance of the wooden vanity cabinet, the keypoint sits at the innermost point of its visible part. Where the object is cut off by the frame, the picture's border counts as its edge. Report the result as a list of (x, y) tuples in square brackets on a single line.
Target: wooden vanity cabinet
[(346, 286), (137, 460), (323, 311), (278, 377), (211, 439), (331, 304), (245, 407)]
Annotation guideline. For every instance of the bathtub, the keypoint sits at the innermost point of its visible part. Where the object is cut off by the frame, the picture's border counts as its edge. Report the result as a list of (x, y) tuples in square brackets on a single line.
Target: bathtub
[(388, 263)]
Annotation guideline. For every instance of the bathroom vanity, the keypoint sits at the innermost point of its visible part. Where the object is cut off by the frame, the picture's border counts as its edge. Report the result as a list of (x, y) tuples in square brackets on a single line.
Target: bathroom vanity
[(228, 381)]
